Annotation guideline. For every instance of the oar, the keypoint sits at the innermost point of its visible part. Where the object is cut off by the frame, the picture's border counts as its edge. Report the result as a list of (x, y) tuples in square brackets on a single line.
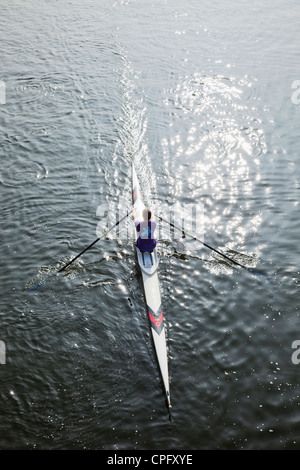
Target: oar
[(251, 270), (38, 286)]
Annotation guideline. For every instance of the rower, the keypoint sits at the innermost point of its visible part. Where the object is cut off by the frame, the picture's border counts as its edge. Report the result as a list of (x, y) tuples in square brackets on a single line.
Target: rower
[(145, 229)]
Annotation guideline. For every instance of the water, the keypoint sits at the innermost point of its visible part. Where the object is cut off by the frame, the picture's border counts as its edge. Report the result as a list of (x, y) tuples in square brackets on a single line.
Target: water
[(200, 96)]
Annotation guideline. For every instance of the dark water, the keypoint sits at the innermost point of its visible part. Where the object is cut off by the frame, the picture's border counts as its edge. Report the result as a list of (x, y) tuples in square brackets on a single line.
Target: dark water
[(200, 96)]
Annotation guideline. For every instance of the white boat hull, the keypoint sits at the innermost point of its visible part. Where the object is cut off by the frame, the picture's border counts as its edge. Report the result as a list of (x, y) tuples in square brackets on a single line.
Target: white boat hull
[(148, 263)]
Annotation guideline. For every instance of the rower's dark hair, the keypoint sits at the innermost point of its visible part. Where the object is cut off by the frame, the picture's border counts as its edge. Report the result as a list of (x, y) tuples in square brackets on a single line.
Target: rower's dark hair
[(148, 212)]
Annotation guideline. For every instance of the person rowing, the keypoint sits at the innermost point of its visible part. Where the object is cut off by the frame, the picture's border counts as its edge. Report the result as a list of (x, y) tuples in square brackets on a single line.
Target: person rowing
[(145, 228)]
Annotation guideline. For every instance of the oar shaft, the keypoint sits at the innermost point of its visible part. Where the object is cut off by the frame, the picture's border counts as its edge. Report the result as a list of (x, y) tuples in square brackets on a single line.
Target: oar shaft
[(75, 258), (208, 246)]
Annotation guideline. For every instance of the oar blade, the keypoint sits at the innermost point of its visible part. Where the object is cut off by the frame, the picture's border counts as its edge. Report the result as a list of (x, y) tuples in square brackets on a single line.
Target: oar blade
[(266, 277), (38, 286)]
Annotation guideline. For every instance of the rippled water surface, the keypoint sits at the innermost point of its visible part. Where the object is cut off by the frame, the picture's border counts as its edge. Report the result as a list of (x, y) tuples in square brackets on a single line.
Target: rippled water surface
[(202, 96)]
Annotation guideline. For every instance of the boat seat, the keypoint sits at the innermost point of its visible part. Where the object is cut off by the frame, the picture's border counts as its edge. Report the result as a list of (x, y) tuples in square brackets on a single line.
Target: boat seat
[(147, 258)]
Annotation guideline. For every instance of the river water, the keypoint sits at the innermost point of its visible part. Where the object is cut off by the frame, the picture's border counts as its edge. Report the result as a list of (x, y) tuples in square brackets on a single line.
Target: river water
[(204, 98)]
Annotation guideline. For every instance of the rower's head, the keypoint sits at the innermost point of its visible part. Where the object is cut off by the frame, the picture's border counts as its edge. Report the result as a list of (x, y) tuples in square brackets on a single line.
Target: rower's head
[(147, 214)]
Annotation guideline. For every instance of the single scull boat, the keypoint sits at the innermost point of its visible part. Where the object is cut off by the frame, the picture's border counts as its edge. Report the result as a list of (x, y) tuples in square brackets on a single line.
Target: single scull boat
[(148, 263)]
